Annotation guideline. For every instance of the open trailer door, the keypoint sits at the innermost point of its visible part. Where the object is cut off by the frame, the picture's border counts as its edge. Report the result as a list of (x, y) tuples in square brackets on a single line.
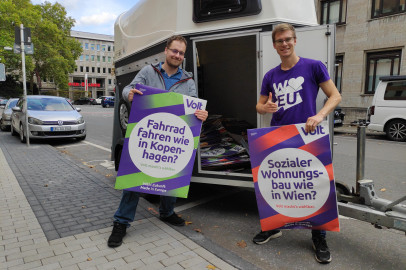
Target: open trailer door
[(316, 42)]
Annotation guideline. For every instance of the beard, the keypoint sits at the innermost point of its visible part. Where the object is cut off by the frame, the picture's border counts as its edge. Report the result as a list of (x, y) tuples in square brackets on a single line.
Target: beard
[(173, 63)]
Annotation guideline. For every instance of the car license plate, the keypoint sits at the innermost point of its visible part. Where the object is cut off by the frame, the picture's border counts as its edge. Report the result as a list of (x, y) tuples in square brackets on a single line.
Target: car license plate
[(60, 128)]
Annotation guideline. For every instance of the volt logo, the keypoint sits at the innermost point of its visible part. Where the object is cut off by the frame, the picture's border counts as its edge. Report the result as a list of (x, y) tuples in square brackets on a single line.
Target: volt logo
[(318, 131), (192, 104)]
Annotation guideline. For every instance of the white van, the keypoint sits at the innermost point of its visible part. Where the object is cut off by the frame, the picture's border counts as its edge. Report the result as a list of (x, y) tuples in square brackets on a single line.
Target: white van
[(388, 110), (229, 50)]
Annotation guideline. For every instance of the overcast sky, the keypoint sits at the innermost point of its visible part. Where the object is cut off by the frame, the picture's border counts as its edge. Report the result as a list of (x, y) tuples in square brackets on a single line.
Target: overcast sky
[(94, 16)]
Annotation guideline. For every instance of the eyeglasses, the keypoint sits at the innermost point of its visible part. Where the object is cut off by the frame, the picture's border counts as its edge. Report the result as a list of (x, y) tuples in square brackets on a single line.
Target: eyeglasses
[(287, 40), (176, 52)]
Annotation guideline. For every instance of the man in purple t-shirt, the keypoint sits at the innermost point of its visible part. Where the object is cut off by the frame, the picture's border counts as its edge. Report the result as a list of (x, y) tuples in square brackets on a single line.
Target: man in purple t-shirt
[(289, 92)]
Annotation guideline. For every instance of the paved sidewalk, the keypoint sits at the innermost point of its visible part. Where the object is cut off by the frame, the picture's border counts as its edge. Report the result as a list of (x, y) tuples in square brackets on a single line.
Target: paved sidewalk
[(56, 214)]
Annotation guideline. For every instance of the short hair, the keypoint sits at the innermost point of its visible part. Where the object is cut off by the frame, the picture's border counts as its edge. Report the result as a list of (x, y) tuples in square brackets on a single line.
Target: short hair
[(282, 28), (177, 38)]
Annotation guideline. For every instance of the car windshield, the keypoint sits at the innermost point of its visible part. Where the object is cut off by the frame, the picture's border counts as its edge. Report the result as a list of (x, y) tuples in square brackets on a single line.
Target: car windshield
[(49, 104), (12, 103)]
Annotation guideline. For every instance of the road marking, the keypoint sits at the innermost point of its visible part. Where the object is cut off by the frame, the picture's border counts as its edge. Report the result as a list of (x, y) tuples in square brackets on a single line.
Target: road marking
[(97, 146)]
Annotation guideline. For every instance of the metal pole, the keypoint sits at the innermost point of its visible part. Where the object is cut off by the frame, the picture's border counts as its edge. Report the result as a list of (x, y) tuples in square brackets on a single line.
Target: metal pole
[(27, 130), (360, 154)]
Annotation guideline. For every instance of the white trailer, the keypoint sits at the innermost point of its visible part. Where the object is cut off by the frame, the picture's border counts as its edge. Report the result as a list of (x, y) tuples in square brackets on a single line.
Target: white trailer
[(229, 50)]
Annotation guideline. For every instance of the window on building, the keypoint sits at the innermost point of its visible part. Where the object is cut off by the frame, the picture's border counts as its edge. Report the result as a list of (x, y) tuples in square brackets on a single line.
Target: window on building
[(93, 58), (93, 69), (387, 7), (109, 70), (104, 70), (86, 46), (104, 58), (109, 81), (109, 59), (103, 48), (381, 64), (76, 69), (98, 70), (338, 71), (98, 47), (81, 68), (333, 11), (98, 58), (51, 80), (87, 57), (92, 47), (108, 48), (87, 69), (81, 58)]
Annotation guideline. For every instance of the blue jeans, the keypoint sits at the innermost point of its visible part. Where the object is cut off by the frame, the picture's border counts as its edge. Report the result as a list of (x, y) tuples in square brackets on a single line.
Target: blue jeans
[(128, 206)]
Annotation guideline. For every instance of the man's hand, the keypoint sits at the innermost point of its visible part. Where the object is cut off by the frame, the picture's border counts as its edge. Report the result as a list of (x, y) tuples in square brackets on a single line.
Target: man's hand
[(312, 123), (201, 114), (131, 94), (269, 106)]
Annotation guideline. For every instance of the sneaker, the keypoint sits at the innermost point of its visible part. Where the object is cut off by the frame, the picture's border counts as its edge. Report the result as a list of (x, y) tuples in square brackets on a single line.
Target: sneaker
[(173, 219), (116, 237), (321, 251), (263, 237)]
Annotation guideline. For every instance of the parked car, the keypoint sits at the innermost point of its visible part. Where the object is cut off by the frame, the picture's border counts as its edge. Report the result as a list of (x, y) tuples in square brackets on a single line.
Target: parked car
[(6, 115), (85, 101), (338, 116), (388, 110), (107, 102), (3, 102), (48, 117)]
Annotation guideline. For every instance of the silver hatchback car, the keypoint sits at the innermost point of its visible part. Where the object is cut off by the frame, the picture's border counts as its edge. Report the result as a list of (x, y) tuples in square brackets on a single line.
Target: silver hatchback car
[(48, 117), (6, 115)]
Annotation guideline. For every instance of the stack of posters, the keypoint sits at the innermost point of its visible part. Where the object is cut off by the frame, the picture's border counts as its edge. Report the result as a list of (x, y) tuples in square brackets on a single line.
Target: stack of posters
[(222, 145)]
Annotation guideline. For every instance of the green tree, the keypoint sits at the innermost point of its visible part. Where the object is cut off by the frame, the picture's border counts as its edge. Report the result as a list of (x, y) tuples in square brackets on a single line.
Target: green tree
[(55, 51)]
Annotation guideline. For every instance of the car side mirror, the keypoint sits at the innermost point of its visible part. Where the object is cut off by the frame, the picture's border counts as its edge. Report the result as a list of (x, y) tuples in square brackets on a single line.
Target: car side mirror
[(78, 109), (16, 109)]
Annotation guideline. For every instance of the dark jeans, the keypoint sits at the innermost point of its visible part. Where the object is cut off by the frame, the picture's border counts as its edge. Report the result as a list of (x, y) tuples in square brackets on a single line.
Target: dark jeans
[(128, 206), (316, 233)]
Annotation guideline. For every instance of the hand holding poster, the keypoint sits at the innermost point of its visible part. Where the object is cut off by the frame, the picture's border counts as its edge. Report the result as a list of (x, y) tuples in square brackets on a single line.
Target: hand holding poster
[(293, 177), (160, 143)]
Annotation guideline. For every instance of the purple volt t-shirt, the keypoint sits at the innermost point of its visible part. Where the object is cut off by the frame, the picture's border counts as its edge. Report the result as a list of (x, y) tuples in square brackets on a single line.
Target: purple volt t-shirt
[(294, 90)]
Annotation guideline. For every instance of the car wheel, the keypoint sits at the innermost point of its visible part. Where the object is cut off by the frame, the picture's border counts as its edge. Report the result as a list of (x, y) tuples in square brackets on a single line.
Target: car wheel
[(124, 113), (22, 137), (13, 133), (2, 127), (396, 130)]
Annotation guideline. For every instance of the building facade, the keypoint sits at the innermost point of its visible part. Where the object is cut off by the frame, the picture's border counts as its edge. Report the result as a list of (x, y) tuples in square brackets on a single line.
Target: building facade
[(95, 64), (370, 43)]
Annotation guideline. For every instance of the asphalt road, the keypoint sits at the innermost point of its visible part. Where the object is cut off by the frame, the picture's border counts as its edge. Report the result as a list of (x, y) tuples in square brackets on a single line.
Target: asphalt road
[(228, 216)]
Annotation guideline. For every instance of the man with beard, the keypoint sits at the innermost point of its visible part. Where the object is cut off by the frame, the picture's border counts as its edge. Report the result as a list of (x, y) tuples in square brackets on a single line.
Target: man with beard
[(167, 75)]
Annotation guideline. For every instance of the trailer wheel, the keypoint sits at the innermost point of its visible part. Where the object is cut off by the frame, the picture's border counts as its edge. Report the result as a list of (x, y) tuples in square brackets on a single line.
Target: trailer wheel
[(343, 189), (124, 113)]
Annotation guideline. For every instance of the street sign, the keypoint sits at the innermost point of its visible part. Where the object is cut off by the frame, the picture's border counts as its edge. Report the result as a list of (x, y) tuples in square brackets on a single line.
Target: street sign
[(28, 49), (27, 35), (2, 72)]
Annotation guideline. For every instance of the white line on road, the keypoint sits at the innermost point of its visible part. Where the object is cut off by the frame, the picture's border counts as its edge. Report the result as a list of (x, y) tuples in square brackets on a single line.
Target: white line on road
[(98, 146)]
